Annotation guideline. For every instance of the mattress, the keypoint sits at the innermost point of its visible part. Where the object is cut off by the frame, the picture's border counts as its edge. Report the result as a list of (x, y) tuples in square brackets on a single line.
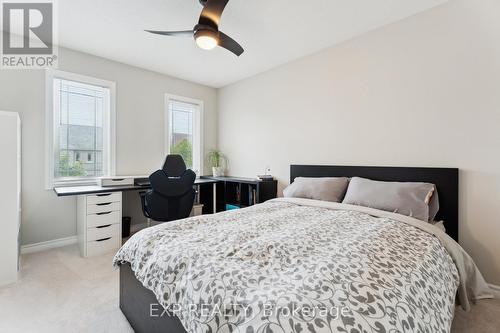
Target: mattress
[(298, 265)]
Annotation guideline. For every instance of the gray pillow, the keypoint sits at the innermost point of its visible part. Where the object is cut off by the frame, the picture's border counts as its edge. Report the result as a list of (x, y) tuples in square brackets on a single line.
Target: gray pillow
[(326, 189), (434, 205), (411, 199)]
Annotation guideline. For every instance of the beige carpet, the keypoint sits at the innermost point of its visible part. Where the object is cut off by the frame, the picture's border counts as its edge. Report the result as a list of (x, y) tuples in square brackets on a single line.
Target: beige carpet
[(58, 291)]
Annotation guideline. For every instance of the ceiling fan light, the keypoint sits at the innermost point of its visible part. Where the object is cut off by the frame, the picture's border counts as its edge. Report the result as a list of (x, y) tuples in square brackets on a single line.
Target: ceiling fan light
[(206, 42), (206, 37)]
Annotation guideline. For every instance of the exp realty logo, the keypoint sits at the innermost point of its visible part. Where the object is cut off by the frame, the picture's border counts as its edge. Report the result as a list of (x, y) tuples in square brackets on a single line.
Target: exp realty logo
[(28, 34)]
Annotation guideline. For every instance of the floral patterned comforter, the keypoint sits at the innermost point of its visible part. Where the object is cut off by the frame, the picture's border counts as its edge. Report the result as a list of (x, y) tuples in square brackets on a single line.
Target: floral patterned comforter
[(286, 266)]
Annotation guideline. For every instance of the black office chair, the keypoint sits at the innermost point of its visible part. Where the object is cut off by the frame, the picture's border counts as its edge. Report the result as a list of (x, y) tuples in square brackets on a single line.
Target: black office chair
[(172, 194)]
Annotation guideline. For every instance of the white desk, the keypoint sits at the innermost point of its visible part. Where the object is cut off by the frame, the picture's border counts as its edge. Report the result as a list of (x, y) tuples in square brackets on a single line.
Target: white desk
[(99, 213)]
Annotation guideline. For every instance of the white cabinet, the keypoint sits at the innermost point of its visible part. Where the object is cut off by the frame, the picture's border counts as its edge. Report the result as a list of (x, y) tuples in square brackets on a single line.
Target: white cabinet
[(99, 223), (10, 195)]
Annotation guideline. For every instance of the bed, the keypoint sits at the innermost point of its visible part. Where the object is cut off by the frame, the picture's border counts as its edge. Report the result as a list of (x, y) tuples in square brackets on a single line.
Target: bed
[(298, 265)]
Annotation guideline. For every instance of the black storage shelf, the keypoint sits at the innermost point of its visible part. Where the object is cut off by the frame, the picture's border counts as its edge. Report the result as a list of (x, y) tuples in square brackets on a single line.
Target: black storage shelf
[(243, 192)]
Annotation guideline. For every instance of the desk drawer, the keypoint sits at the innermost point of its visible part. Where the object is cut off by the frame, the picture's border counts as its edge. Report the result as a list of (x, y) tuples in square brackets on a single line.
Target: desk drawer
[(102, 246), (103, 198), (105, 231), (103, 208), (97, 220)]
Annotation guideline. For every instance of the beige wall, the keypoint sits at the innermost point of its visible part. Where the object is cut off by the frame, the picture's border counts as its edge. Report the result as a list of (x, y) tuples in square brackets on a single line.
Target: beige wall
[(140, 131), (422, 92)]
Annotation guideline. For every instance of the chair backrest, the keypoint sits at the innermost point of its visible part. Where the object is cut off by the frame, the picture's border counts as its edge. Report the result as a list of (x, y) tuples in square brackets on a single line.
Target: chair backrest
[(172, 194)]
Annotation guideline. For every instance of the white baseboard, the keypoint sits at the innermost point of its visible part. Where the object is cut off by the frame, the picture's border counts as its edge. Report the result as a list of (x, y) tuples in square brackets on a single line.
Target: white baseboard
[(52, 244), (495, 290)]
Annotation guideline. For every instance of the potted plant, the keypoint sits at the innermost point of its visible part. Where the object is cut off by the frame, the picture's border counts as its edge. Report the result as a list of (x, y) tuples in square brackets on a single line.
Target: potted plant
[(217, 160)]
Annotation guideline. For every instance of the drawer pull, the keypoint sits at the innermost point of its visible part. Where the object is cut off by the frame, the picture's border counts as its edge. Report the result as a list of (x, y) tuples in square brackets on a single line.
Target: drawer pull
[(104, 239), (105, 213), (104, 226), (104, 195), (104, 204)]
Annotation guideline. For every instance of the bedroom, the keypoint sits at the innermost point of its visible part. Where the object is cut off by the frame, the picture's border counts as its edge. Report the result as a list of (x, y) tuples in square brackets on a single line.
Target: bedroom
[(359, 83)]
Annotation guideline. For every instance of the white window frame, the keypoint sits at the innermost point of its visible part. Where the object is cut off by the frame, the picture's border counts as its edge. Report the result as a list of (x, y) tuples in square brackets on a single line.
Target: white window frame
[(110, 119), (198, 136)]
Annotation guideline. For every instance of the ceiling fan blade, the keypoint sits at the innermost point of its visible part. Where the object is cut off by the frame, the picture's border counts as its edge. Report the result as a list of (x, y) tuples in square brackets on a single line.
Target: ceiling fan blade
[(230, 44), (184, 33), (212, 12)]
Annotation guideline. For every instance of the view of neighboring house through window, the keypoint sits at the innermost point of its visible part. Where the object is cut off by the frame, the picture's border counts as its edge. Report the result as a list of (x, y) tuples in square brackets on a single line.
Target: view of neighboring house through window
[(184, 117), (81, 129)]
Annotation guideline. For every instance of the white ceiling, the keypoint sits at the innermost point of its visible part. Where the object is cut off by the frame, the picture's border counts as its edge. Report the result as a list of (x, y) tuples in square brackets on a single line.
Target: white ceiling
[(273, 32)]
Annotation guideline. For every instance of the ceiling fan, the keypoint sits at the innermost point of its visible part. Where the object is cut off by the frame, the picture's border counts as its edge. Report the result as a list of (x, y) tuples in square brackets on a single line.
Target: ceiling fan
[(206, 33)]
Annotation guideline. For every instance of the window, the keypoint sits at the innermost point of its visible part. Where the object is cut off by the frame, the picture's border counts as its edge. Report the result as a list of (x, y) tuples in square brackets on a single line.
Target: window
[(80, 128), (183, 130)]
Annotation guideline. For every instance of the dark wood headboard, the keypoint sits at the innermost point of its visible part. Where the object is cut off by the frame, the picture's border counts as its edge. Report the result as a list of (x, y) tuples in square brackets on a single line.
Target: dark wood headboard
[(445, 179)]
